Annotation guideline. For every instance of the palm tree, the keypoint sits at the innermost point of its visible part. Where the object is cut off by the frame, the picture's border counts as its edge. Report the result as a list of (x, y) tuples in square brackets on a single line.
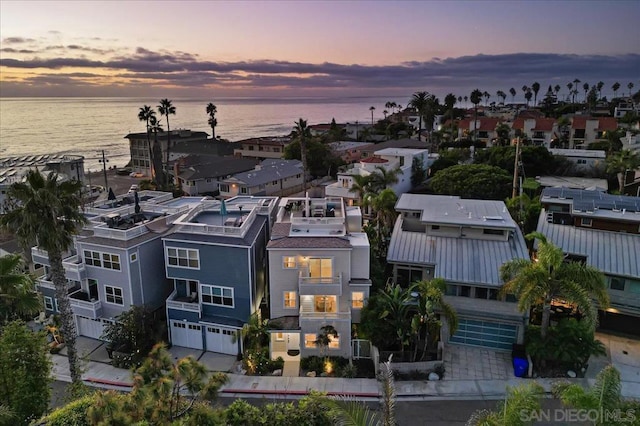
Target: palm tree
[(382, 178), (155, 127), (615, 88), (254, 333), (502, 95), (486, 96), (431, 303), (372, 108), (523, 399), (570, 87), (536, 88), (361, 186), (145, 114), (620, 162), (396, 302), (575, 90), (449, 102), (390, 105), (585, 86), (550, 277), (302, 132), (513, 94), (419, 101), (476, 97), (166, 109), (46, 210), (213, 121), (385, 112), (466, 99), (599, 86), (556, 89), (527, 96), (17, 298), (630, 86)]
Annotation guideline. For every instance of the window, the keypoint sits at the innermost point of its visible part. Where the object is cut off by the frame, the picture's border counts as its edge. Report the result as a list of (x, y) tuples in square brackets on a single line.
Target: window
[(581, 161), (357, 299), (320, 268), (114, 295), (48, 303), (92, 258), (279, 337), (435, 227), (290, 299), (275, 182), (244, 190), (133, 257), (585, 221), (310, 340), (465, 291), (334, 342), (493, 294), (289, 262), (299, 175), (111, 261), (481, 292), (617, 284), (493, 231), (224, 187), (325, 303), (183, 258), (219, 296)]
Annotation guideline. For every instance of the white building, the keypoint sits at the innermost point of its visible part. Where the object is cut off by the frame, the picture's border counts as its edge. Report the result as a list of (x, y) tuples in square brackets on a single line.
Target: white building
[(584, 159)]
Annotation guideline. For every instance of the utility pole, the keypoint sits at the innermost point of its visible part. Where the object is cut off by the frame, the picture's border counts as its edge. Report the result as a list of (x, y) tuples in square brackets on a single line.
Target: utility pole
[(516, 168), (104, 162)]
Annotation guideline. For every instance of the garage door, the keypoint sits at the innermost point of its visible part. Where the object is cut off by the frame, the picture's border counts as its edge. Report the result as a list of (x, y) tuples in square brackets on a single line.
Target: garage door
[(90, 327), (486, 334), (220, 339), (186, 334)]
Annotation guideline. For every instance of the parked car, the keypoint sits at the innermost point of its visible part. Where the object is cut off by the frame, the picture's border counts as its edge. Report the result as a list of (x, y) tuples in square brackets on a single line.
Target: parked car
[(133, 188), (136, 174), (123, 172)]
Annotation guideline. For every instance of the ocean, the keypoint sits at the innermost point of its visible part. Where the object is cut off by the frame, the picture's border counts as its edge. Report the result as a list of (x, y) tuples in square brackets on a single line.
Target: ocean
[(86, 126)]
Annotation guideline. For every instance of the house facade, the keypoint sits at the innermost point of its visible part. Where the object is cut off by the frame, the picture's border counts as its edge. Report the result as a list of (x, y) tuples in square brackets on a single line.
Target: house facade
[(464, 242), (318, 276), (261, 148), (215, 261), (602, 230), (584, 160), (540, 130), (587, 130), (203, 174), (270, 177), (348, 151), (115, 263)]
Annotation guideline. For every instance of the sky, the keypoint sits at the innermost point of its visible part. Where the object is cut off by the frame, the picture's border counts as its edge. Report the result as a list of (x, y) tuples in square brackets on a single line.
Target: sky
[(312, 48)]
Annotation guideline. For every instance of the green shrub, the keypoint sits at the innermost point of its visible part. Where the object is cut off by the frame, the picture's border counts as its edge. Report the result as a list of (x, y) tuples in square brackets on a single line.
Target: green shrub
[(72, 414), (349, 371), (257, 362), (241, 413)]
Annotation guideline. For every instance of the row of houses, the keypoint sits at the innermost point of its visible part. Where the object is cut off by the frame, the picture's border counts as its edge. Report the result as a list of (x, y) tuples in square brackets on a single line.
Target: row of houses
[(303, 263)]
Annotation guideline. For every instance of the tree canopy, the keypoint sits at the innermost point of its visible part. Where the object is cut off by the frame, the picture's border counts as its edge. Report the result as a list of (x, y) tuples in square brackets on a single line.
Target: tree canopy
[(472, 181)]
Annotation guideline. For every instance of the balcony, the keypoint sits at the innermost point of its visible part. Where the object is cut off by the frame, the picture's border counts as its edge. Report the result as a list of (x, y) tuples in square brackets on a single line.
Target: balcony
[(313, 286), (184, 303), (74, 268), (83, 305), (45, 281), (324, 316)]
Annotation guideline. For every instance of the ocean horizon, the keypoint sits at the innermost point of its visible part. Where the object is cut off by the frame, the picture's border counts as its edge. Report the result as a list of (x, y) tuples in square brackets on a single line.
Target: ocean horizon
[(87, 125)]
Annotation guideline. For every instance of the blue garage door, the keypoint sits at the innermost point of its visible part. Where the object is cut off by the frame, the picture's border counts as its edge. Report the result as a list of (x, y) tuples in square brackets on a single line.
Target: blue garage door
[(486, 334)]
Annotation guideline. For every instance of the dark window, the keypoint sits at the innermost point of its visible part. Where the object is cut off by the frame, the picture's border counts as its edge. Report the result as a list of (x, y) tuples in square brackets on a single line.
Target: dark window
[(465, 291), (493, 294), (617, 284), (493, 231), (481, 292)]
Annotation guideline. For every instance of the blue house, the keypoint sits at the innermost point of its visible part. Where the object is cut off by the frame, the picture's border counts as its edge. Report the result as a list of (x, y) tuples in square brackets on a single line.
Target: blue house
[(216, 258)]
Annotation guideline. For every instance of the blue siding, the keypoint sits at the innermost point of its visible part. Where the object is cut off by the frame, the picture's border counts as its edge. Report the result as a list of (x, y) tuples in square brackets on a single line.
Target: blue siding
[(150, 265), (174, 314), (50, 293)]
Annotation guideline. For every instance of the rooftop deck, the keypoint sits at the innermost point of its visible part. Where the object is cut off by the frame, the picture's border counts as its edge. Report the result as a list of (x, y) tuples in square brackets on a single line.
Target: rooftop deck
[(313, 216)]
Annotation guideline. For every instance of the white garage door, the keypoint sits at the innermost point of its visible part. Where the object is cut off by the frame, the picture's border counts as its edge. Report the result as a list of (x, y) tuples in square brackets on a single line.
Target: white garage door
[(90, 327), (186, 334), (487, 334), (220, 339)]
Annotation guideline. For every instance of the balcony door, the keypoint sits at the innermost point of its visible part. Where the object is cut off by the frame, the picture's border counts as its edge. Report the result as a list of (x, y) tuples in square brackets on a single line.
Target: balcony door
[(327, 304), (93, 289), (320, 268)]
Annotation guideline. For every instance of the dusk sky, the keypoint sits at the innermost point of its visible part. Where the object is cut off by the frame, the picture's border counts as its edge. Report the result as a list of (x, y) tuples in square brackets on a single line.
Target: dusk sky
[(306, 48)]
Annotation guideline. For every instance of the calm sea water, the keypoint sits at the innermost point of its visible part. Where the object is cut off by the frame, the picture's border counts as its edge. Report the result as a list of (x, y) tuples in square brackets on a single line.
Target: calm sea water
[(85, 126)]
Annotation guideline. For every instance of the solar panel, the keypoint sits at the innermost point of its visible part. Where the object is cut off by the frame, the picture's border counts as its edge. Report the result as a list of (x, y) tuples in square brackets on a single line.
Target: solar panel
[(629, 205), (582, 205), (605, 204)]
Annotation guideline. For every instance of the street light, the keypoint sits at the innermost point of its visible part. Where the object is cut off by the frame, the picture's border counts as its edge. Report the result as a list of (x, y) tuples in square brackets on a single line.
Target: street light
[(104, 162)]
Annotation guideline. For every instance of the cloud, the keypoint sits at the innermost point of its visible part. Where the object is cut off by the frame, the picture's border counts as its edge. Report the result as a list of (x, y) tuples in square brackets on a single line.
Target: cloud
[(17, 40), (12, 50), (462, 74)]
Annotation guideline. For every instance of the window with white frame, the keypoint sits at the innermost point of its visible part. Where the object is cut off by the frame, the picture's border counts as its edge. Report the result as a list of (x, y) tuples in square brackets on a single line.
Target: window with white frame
[(289, 262), (217, 295), (114, 295), (310, 340), (183, 258), (279, 337), (586, 221), (357, 299), (133, 257), (290, 299), (334, 341), (48, 303), (224, 187), (111, 261), (92, 258), (243, 190)]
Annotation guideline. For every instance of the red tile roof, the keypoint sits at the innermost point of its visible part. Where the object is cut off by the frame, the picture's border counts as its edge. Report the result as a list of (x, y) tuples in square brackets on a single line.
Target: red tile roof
[(488, 124), (518, 123), (579, 122), (544, 124), (607, 123)]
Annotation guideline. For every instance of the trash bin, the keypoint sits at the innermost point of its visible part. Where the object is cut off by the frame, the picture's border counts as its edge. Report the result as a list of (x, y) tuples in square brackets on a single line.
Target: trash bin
[(520, 367)]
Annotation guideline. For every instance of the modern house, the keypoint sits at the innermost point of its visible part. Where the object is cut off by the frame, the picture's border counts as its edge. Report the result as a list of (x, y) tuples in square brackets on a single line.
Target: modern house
[(603, 231), (318, 275), (261, 148), (627, 106), (348, 151), (585, 160), (389, 159), (270, 177), (139, 146), (215, 259), (464, 242), (116, 261), (202, 174)]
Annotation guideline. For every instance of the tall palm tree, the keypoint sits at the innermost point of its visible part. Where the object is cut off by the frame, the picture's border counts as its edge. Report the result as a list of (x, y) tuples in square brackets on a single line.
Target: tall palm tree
[(17, 297), (466, 99), (570, 87), (372, 108), (382, 178), (585, 87), (502, 95), (449, 102), (159, 177), (527, 95), (166, 109), (486, 96), (476, 97), (302, 133), (431, 303), (361, 186), (599, 86), (419, 101), (145, 114), (615, 88), (513, 94), (384, 113), (536, 88), (550, 277), (575, 88), (630, 87), (556, 89), (212, 110), (46, 210), (519, 400), (620, 162)]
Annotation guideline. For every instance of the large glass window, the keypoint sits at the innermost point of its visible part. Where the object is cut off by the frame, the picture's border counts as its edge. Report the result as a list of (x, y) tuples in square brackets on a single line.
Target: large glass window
[(290, 299), (184, 258), (111, 261), (310, 340), (320, 268), (216, 295), (357, 299), (325, 303)]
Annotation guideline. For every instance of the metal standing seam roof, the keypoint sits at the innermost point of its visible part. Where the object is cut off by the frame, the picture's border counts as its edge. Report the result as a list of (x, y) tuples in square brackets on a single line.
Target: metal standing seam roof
[(462, 260), (613, 253)]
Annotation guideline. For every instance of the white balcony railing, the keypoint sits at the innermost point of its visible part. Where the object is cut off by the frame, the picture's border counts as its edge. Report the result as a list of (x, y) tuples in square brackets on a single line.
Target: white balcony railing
[(312, 315), (182, 306), (319, 285)]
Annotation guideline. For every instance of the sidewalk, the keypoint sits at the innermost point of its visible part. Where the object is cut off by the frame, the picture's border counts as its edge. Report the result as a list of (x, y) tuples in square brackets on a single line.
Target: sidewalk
[(623, 353)]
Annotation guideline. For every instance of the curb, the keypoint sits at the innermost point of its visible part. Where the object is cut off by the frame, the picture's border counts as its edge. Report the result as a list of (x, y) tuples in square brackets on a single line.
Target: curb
[(107, 382), (298, 393)]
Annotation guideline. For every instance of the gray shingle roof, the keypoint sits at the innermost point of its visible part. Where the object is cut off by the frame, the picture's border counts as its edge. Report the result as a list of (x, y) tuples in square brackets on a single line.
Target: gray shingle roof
[(270, 170), (310, 243), (614, 253), (211, 166)]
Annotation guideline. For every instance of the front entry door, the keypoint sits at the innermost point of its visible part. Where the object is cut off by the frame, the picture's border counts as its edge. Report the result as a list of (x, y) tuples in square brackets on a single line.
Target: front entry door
[(293, 341)]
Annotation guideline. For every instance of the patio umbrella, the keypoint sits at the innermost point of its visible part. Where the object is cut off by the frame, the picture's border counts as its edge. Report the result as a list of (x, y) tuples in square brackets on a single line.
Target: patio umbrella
[(136, 201), (111, 196), (223, 208)]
